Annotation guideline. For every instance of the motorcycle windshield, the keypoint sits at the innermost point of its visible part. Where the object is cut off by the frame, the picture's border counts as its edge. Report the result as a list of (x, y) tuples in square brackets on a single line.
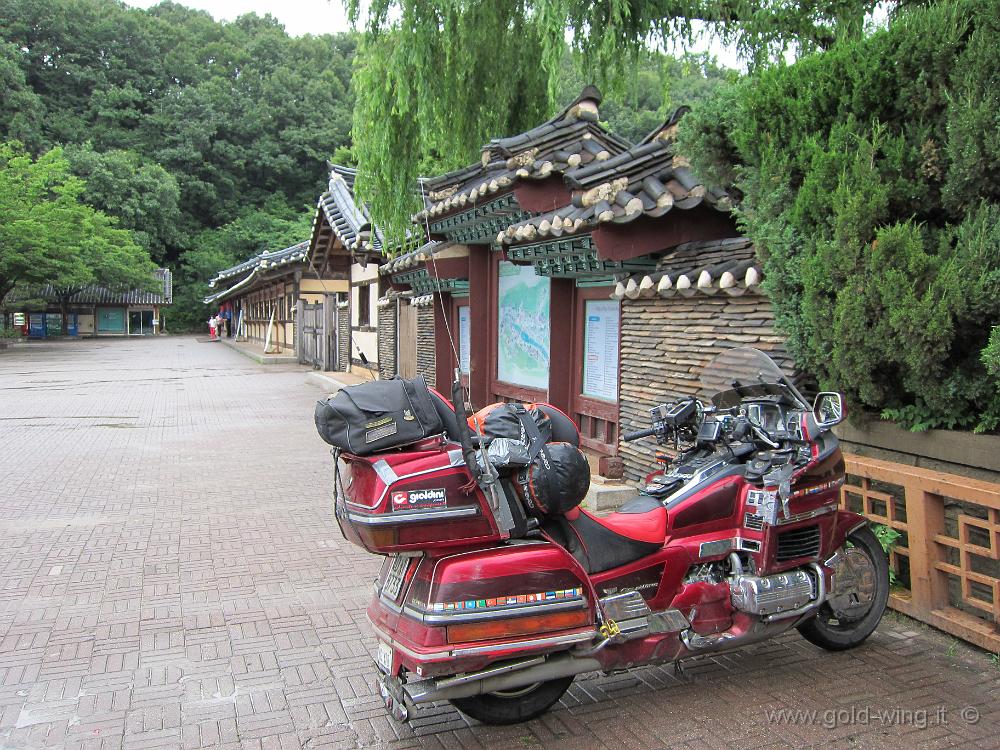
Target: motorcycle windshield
[(743, 372)]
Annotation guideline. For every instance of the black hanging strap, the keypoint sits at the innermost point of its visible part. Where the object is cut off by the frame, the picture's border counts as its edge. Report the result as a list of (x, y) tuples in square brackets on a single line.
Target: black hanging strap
[(536, 443)]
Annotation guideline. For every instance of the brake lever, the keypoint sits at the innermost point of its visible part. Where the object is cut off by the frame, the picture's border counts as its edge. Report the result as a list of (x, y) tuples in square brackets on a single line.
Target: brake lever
[(763, 435)]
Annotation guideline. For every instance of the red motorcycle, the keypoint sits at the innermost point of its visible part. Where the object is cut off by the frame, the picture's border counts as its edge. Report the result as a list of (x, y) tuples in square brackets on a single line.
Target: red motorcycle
[(497, 590)]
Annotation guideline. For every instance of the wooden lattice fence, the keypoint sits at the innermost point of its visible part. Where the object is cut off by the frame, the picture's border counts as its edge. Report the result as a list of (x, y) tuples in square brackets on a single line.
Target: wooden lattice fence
[(947, 559)]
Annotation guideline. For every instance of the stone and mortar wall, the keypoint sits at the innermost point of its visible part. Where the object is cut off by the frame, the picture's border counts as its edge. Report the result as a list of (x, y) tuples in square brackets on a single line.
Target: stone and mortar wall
[(665, 344), (344, 338), (425, 343), (387, 340)]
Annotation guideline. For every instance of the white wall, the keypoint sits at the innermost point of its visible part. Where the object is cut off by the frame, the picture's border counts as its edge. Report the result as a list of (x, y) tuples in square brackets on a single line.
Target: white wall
[(365, 341)]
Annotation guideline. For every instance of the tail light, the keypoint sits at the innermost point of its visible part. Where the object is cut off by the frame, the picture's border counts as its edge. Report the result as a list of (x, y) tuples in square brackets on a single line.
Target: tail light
[(505, 628), (383, 538)]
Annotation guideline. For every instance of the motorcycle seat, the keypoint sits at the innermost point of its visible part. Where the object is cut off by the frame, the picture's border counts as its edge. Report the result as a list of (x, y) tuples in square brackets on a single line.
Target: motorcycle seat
[(636, 530)]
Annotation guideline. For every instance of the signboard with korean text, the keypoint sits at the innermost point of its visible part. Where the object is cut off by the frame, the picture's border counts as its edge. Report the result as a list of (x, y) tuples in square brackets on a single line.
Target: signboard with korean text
[(600, 349), (464, 338)]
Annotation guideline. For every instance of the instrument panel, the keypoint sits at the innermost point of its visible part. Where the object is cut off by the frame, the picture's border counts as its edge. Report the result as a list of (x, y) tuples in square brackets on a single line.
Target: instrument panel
[(777, 420)]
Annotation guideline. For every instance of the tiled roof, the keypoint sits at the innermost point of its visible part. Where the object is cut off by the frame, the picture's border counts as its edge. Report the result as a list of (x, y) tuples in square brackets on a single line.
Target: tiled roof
[(650, 179), (573, 138), (349, 220), (414, 258), (729, 266), (348, 173), (391, 295), (249, 269), (265, 259), (99, 295)]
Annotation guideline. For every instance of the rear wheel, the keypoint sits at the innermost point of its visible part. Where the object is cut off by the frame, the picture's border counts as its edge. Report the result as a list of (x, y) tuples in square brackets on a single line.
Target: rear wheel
[(860, 593), (515, 705)]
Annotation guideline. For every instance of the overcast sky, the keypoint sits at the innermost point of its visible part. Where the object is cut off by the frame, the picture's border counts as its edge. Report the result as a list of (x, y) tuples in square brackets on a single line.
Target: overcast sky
[(298, 16), (328, 16)]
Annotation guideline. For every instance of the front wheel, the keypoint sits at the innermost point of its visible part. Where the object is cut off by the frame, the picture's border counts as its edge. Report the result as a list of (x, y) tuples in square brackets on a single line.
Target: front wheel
[(860, 592), (515, 705)]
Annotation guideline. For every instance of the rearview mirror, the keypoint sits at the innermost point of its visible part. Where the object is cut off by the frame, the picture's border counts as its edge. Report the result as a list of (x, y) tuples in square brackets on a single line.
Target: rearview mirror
[(828, 409)]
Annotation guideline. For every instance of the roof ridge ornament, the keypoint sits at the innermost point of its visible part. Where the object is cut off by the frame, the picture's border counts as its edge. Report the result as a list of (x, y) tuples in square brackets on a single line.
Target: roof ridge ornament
[(667, 132), (523, 159), (438, 195), (606, 191), (586, 106)]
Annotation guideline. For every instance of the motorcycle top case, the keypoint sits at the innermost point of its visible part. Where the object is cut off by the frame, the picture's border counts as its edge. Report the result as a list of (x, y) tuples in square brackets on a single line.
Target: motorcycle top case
[(411, 500), (381, 414)]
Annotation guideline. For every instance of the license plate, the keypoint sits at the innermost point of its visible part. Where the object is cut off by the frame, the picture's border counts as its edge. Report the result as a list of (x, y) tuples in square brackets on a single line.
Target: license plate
[(394, 579), (383, 657)]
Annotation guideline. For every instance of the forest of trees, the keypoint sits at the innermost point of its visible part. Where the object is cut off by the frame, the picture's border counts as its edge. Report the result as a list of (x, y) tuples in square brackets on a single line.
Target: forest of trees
[(208, 141)]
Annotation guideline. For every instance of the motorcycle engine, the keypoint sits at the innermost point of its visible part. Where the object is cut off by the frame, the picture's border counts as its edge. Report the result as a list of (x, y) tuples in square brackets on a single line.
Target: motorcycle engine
[(770, 595)]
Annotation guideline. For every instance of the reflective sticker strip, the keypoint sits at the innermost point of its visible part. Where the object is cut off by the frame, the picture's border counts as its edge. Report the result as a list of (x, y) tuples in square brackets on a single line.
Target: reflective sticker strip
[(380, 432), (718, 547), (817, 488), (384, 471), (507, 601)]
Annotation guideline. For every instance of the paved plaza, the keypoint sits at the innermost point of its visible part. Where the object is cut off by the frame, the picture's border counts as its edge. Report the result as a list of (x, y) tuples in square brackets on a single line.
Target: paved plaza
[(171, 576)]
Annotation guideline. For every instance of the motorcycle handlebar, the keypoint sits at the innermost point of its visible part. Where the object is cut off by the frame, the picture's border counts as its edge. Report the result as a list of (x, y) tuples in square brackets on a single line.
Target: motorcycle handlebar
[(628, 437)]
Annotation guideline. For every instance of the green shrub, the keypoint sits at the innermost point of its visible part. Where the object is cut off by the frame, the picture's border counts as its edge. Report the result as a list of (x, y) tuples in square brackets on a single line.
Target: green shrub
[(869, 178)]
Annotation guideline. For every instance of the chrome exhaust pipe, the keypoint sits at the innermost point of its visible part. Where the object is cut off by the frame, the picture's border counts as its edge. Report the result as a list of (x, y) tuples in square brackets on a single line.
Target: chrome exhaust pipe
[(698, 644), (491, 680)]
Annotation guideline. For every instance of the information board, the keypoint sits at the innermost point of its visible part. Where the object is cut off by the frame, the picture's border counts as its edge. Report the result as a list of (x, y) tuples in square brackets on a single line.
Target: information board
[(600, 349), (464, 338), (523, 327)]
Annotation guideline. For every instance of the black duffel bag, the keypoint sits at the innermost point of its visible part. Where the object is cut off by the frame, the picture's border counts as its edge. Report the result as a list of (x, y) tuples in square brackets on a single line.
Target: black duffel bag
[(380, 414), (502, 420)]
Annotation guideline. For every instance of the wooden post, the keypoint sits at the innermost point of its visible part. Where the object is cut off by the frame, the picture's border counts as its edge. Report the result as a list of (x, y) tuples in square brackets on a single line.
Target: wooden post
[(925, 521), (329, 330), (267, 337), (335, 317), (297, 316), (562, 312), (479, 325), (444, 360), (298, 330)]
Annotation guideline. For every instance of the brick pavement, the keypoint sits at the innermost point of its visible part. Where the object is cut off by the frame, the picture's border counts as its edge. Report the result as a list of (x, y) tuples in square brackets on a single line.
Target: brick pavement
[(171, 576)]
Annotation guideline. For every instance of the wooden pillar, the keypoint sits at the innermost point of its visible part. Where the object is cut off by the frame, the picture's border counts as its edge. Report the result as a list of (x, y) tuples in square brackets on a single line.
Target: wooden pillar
[(298, 331), (329, 339), (925, 521), (444, 360), (562, 311), (479, 325), (297, 315)]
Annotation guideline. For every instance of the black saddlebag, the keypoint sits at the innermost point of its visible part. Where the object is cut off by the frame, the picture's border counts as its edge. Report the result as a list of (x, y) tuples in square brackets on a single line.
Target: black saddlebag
[(381, 414)]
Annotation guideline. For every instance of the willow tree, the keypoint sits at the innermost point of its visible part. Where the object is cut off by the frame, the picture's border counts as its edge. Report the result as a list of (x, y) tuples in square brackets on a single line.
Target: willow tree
[(435, 78)]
